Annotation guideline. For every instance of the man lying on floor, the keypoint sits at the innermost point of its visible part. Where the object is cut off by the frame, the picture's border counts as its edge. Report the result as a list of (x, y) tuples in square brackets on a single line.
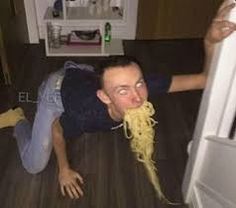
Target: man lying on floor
[(76, 99)]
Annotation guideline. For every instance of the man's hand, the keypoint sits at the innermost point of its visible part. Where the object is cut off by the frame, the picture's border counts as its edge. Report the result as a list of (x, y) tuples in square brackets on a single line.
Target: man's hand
[(220, 28), (69, 180)]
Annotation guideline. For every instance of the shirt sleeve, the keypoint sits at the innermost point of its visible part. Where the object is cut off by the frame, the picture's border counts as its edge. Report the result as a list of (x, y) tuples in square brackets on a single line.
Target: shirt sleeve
[(158, 83)]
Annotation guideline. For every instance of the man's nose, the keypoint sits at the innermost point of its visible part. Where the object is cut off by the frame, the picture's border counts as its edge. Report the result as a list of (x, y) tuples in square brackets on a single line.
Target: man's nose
[(137, 97)]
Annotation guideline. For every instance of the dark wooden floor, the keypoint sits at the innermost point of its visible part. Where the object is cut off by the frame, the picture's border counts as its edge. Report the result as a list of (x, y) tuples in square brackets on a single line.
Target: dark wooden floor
[(112, 176)]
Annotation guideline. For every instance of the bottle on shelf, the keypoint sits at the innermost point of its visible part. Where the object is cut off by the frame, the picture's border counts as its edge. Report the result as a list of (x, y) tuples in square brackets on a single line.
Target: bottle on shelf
[(107, 35), (57, 8)]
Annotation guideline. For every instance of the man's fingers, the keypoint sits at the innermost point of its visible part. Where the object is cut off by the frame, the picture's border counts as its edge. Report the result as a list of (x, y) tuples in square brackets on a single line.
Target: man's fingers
[(224, 4), (226, 29), (78, 176), (68, 190), (229, 24), (225, 24), (226, 33), (69, 184), (225, 11), (79, 190), (74, 191), (63, 191)]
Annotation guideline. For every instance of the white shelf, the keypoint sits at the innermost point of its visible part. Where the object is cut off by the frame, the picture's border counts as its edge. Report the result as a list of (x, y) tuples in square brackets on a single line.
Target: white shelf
[(79, 18), (115, 47), (75, 50), (123, 27), (82, 13)]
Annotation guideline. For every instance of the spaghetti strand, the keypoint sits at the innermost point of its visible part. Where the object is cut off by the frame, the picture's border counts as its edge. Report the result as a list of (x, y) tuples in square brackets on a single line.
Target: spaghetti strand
[(138, 127)]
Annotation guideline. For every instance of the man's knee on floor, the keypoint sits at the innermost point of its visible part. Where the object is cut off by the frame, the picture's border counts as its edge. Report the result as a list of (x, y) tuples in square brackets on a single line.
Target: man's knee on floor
[(35, 168), (38, 163)]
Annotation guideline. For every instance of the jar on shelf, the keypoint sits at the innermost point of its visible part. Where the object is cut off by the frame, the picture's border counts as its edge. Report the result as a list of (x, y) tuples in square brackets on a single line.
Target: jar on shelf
[(54, 35)]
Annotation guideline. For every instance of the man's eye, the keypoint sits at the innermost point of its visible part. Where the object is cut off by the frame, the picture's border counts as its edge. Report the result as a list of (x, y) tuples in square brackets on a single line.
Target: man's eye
[(140, 84), (122, 92)]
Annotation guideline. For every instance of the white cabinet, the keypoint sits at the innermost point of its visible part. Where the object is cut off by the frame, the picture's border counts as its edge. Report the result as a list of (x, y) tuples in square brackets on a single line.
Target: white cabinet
[(76, 16)]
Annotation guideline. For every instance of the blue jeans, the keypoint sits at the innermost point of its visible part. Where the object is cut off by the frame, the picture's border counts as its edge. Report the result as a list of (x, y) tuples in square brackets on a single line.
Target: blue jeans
[(35, 144)]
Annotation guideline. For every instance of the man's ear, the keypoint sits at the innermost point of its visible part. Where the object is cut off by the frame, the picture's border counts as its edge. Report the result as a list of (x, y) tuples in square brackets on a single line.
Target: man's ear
[(103, 97)]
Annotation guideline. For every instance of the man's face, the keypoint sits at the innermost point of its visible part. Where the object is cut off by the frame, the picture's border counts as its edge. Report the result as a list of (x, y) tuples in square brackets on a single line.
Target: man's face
[(124, 88)]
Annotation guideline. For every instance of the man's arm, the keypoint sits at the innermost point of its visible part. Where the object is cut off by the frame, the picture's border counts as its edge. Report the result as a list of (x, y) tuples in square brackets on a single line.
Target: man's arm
[(218, 30), (188, 82), (68, 178)]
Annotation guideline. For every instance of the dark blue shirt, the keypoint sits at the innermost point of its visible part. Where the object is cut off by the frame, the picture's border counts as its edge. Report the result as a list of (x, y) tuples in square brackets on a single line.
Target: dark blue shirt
[(84, 112)]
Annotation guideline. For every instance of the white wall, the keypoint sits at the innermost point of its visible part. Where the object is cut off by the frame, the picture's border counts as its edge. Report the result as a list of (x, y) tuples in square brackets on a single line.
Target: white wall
[(31, 18)]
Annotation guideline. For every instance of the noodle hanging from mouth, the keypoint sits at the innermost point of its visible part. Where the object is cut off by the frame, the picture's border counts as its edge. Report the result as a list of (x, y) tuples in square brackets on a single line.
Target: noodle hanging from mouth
[(139, 128)]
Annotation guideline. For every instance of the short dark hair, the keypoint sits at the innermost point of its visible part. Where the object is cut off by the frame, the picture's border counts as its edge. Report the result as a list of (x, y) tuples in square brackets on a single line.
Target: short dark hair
[(114, 61)]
